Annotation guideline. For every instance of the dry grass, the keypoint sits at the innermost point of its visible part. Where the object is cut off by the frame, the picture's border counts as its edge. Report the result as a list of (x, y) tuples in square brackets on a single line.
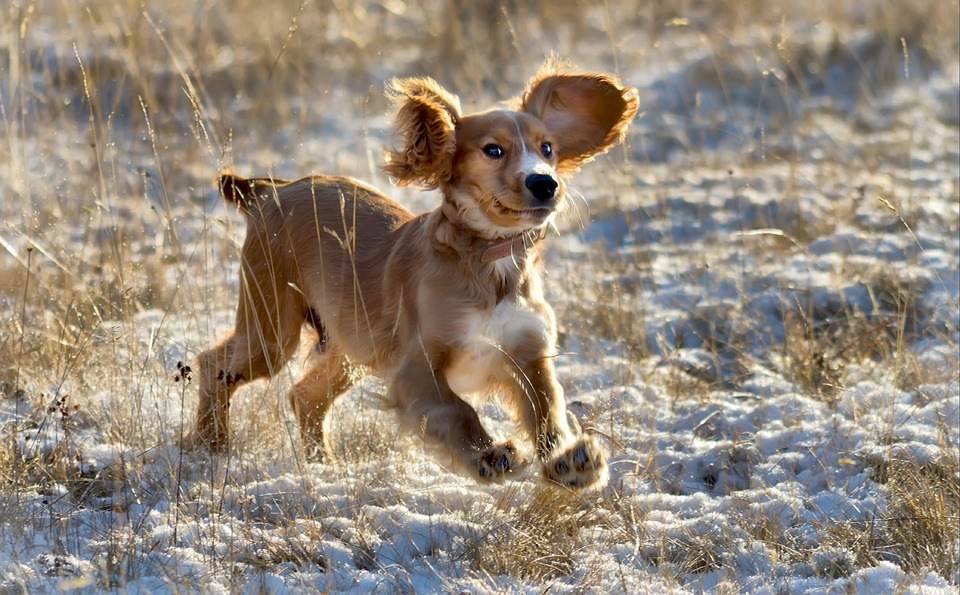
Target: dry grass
[(115, 116), (538, 540), (924, 524)]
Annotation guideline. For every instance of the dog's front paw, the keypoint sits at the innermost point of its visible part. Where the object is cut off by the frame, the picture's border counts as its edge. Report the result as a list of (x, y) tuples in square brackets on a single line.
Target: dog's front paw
[(498, 461), (581, 466)]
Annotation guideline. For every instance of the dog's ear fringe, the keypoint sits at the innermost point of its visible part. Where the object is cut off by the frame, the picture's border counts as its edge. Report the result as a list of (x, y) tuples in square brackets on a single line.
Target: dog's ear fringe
[(617, 106), (426, 117)]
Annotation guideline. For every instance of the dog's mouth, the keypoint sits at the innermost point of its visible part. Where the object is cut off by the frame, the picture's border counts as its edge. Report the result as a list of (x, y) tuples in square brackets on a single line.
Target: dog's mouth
[(537, 214)]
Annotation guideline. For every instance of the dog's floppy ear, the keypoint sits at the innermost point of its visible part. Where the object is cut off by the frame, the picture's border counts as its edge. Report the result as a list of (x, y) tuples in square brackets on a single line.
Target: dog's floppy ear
[(426, 118), (585, 113)]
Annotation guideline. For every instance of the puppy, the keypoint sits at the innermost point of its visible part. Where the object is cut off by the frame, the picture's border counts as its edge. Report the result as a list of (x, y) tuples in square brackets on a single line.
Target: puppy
[(441, 305)]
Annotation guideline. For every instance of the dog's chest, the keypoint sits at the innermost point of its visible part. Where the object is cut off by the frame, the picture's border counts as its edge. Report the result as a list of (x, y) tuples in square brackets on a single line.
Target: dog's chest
[(489, 342)]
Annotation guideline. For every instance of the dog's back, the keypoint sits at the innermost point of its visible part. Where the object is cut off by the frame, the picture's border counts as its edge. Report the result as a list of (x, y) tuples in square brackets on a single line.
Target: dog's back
[(322, 243), (329, 199)]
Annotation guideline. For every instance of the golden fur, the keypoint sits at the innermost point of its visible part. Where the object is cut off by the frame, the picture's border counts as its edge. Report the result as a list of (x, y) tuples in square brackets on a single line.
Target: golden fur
[(412, 298)]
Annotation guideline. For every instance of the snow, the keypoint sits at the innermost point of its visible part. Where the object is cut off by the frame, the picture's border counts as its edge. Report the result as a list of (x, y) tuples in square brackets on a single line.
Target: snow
[(751, 210)]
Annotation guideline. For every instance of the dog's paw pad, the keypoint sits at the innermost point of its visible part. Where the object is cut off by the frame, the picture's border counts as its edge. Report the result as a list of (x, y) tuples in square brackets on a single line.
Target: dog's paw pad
[(580, 466), (498, 461)]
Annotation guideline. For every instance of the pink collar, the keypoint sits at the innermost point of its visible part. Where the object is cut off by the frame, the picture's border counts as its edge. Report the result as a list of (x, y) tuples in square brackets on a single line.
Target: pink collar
[(517, 245)]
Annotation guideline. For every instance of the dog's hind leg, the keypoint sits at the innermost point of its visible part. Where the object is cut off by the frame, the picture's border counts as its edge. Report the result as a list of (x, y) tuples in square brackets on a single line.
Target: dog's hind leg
[(222, 369), (266, 334), (210, 430), (311, 398)]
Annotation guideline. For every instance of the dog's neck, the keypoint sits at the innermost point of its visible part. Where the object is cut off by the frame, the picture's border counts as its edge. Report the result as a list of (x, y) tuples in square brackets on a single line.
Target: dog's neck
[(516, 247)]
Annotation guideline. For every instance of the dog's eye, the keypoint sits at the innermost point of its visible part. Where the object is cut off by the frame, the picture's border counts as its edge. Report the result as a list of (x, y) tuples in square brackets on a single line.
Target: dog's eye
[(494, 151), (546, 150)]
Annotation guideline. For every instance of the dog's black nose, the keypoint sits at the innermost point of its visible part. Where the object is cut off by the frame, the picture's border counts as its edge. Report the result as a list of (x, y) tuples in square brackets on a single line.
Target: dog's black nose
[(541, 186)]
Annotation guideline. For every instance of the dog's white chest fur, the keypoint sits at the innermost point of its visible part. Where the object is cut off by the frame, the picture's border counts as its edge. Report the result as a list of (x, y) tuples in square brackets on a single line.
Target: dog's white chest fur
[(487, 339)]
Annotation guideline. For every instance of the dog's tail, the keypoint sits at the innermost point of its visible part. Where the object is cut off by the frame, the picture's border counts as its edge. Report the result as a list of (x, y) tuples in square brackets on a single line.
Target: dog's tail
[(248, 193)]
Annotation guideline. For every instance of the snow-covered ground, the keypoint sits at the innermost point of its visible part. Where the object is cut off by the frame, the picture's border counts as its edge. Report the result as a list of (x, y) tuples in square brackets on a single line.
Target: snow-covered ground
[(758, 299)]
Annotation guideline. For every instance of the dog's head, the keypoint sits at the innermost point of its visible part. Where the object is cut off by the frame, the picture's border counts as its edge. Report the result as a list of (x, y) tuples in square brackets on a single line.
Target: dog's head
[(504, 169)]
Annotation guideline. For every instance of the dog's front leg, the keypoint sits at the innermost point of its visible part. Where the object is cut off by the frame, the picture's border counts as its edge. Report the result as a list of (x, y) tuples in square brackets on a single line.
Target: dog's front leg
[(428, 405), (567, 456)]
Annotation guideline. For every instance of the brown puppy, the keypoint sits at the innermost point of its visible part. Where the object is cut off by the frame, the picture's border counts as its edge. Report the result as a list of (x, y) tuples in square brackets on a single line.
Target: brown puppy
[(439, 305)]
